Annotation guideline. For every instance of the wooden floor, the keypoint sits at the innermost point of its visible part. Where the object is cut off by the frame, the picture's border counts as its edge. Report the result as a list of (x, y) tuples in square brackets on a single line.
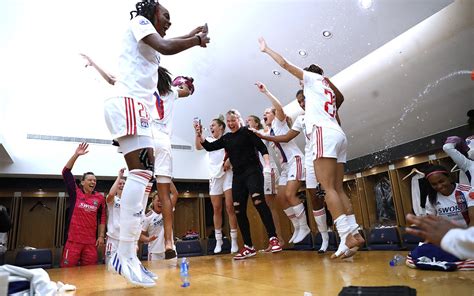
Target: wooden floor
[(286, 273)]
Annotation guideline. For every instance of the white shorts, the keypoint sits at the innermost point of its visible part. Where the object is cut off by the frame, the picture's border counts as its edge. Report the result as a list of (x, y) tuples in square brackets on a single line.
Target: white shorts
[(156, 256), (163, 158), (270, 181), (110, 248), (127, 117), (218, 186), (311, 181), (329, 143), (292, 171)]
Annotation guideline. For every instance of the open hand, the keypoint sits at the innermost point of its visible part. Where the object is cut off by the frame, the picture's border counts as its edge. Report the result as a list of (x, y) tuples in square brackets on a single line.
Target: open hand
[(262, 44), (82, 149)]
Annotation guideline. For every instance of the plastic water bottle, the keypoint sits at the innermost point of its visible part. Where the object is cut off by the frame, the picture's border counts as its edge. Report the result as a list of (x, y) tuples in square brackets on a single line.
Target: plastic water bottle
[(397, 260), (184, 273)]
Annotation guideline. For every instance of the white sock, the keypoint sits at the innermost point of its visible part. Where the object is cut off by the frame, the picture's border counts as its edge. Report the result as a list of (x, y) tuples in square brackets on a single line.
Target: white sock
[(303, 229), (321, 222), (353, 223), (234, 244), (131, 210), (146, 195), (291, 215), (218, 247), (343, 228), (300, 215)]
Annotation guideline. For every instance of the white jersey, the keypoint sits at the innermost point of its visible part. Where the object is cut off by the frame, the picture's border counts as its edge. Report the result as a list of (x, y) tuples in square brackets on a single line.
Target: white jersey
[(153, 224), (162, 111), (216, 161), (320, 102), (455, 206), (138, 63), (300, 126), (267, 144), (285, 151), (113, 218)]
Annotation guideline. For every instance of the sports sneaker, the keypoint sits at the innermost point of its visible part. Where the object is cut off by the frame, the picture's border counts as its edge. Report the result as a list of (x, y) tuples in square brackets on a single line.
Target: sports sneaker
[(245, 252), (150, 274), (132, 270), (275, 245)]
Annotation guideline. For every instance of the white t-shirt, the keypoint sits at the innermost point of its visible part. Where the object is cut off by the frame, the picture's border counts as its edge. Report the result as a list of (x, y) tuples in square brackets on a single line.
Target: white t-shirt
[(320, 102), (285, 151), (138, 63), (300, 126), (113, 218), (448, 206), (153, 224), (216, 161), (162, 111)]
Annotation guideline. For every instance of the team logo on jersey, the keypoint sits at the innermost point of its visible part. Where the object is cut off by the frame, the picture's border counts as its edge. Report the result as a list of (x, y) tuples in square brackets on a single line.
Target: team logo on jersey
[(96, 203), (144, 123), (471, 195), (143, 22)]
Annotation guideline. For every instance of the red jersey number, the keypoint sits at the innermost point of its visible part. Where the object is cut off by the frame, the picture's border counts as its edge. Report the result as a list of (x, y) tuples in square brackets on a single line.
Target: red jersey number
[(143, 112), (330, 106)]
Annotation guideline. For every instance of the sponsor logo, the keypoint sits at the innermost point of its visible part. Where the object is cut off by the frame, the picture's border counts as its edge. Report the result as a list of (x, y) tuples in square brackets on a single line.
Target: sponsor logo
[(88, 208), (144, 123), (144, 22)]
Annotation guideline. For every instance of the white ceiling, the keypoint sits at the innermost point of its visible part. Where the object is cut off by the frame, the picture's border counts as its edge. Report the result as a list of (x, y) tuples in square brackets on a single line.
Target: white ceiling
[(226, 71)]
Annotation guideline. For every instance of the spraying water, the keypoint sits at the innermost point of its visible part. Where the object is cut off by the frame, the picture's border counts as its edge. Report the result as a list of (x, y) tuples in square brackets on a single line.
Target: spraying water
[(390, 138)]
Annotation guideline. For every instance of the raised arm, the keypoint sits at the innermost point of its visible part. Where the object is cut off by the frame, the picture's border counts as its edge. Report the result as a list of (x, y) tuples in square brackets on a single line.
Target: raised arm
[(294, 70), (452, 147), (280, 113), (113, 190), (176, 45), (199, 137), (337, 92), (107, 76), (193, 33)]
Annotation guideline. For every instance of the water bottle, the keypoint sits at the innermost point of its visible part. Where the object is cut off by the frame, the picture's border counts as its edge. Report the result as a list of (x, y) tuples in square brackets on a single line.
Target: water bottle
[(184, 273), (397, 260)]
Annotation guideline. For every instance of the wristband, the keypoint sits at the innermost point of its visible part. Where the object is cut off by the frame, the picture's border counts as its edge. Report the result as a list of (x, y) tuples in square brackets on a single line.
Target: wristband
[(199, 39)]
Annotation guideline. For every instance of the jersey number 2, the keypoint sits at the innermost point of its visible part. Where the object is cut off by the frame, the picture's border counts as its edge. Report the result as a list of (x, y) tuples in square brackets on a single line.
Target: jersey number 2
[(330, 106)]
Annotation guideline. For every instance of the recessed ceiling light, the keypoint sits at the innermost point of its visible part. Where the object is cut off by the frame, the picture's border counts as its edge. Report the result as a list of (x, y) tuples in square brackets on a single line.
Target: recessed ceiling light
[(365, 4), (276, 73), (406, 157), (302, 53), (327, 34)]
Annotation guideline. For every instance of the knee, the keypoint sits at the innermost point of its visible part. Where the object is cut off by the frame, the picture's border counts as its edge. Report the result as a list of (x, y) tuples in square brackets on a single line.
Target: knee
[(257, 199), (229, 209), (236, 207)]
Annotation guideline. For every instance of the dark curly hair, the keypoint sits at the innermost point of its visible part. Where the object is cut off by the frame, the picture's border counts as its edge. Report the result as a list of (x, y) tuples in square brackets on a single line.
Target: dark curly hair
[(145, 8)]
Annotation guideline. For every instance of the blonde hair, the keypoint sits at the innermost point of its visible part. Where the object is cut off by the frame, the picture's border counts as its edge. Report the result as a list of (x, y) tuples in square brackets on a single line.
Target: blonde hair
[(153, 196), (236, 113)]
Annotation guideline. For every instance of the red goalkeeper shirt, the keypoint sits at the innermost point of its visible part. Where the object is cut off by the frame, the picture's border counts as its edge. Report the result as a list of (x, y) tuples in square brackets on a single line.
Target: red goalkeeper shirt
[(87, 209)]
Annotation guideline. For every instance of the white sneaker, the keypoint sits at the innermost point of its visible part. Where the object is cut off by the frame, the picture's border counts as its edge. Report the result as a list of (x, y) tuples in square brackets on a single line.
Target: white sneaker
[(132, 270), (302, 233), (150, 274), (218, 247)]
